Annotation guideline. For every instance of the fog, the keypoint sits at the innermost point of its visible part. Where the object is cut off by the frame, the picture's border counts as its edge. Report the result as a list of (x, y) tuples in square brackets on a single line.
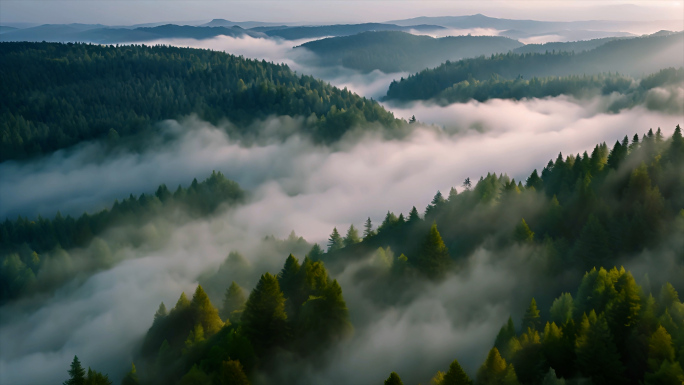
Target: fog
[(296, 185)]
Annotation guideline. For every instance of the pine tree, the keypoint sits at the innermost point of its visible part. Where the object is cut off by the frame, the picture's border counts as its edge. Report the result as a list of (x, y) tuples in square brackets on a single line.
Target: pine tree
[(97, 378), (76, 373), (335, 241), (506, 333), (233, 301), (456, 375), (660, 349), (562, 309), (434, 260), (597, 356), (205, 313), (352, 236), (393, 379), (493, 370), (437, 202), (532, 318), (161, 312), (315, 253), (413, 215), (368, 229), (264, 319)]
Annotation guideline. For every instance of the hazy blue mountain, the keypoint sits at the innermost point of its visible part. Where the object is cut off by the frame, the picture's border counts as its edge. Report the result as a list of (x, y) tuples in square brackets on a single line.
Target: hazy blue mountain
[(4, 28), (66, 33), (394, 51), (304, 32), (241, 24)]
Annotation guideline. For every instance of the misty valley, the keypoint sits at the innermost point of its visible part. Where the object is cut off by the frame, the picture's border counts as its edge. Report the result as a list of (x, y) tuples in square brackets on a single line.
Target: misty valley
[(443, 200)]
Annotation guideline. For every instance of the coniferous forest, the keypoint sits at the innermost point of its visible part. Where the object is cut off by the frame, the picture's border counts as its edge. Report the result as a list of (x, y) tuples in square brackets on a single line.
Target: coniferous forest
[(291, 200)]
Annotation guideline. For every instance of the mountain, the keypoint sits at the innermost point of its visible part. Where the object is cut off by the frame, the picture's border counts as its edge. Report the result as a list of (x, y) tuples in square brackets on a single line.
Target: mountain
[(635, 57), (557, 30), (4, 29), (107, 35), (572, 46), (241, 24), (307, 32), (394, 51), (56, 95)]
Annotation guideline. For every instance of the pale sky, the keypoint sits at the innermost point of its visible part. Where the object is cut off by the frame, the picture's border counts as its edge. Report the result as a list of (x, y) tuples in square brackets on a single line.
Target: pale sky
[(126, 12)]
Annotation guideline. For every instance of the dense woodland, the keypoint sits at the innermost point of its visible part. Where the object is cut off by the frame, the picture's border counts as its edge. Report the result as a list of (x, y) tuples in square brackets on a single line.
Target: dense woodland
[(30, 249), (582, 214), (612, 331), (56, 95), (585, 86), (393, 51), (632, 57)]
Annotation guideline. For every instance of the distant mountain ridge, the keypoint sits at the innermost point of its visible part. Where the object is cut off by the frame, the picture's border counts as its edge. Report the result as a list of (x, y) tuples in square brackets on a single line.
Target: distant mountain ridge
[(395, 51)]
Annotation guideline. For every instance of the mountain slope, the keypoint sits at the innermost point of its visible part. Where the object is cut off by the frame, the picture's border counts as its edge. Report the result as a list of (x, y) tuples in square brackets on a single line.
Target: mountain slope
[(307, 32), (393, 51), (55, 95), (635, 57)]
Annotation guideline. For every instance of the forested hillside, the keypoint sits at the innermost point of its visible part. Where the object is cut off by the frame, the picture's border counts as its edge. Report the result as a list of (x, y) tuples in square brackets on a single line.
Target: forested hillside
[(584, 212), (392, 51), (612, 331), (56, 95), (632, 91), (35, 252), (634, 57)]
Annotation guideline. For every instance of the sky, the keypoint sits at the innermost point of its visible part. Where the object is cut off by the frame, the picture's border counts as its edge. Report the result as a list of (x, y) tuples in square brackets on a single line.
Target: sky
[(125, 12)]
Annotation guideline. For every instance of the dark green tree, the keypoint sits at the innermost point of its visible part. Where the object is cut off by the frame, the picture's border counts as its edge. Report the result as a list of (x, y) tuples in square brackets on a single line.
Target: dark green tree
[(264, 319), (77, 375), (393, 379), (456, 375), (434, 259), (368, 229), (233, 302), (352, 236), (532, 318), (335, 242)]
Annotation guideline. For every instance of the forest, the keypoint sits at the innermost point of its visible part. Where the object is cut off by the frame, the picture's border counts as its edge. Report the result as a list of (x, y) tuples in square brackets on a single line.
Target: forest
[(634, 92), (56, 95), (35, 252), (575, 221), (393, 51), (628, 56)]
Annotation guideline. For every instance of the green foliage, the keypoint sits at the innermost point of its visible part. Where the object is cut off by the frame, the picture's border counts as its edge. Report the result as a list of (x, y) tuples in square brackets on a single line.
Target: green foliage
[(233, 302), (352, 236), (562, 309), (56, 95), (335, 242), (393, 379), (532, 319), (77, 375), (232, 374), (97, 378), (434, 259), (456, 375), (131, 377), (523, 233), (264, 319)]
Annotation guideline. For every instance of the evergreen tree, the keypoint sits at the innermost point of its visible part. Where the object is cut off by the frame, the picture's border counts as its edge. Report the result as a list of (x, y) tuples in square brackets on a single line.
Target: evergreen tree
[(660, 349), (393, 379), (456, 375), (205, 313), (161, 312), (76, 373), (532, 319), (315, 253), (352, 236), (506, 333), (562, 309), (264, 319), (493, 370), (597, 356), (335, 241), (434, 260), (413, 215), (233, 301), (97, 378), (368, 229)]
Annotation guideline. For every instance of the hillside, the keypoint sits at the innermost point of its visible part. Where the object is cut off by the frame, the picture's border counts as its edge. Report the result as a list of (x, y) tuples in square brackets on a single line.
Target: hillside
[(634, 57), (56, 95), (393, 51)]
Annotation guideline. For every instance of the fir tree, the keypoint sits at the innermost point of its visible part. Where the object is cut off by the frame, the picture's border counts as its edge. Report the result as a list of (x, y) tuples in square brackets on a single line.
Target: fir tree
[(352, 236), (264, 319), (393, 379), (368, 229), (335, 241), (523, 233), (434, 260), (76, 373), (233, 301), (532, 318), (232, 373), (456, 375)]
